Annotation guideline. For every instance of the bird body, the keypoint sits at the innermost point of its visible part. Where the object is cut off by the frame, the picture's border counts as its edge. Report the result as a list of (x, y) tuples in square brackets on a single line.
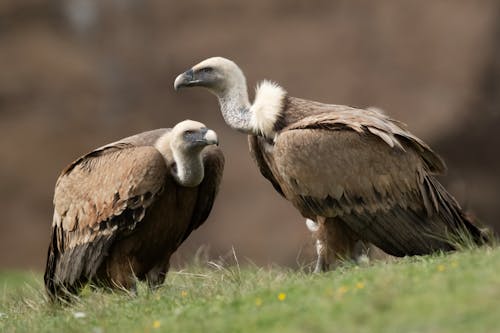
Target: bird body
[(357, 173), (122, 210)]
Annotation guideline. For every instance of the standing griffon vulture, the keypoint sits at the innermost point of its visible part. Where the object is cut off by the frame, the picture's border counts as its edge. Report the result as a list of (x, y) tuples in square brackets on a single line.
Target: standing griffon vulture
[(357, 173), (123, 209)]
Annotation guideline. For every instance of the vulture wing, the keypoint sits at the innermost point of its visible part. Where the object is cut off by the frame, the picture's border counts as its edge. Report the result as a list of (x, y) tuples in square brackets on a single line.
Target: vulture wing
[(257, 146), (213, 161), (98, 198), (364, 169)]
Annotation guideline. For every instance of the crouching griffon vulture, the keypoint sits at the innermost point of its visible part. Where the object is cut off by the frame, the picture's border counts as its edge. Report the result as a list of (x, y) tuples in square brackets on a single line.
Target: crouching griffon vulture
[(123, 209), (357, 173)]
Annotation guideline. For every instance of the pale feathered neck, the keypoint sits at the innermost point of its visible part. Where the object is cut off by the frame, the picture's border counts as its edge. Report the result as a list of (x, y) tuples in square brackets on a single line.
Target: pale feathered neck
[(185, 166), (258, 118)]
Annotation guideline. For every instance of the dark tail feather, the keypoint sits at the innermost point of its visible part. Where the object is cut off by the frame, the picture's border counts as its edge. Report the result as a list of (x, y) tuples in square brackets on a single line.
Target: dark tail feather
[(56, 290), (439, 225), (51, 286), (460, 226), (401, 232)]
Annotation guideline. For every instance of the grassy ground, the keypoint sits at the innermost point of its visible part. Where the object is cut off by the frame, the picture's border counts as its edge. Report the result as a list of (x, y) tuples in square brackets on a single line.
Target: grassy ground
[(443, 293)]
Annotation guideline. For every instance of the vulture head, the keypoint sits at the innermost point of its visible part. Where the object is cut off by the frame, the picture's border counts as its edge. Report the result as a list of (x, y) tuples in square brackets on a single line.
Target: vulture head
[(224, 79), (191, 136), (185, 144), (219, 75)]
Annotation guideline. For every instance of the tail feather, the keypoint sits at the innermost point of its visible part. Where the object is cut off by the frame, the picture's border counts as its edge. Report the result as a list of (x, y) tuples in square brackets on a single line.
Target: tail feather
[(458, 222), (438, 225), (51, 286), (56, 289)]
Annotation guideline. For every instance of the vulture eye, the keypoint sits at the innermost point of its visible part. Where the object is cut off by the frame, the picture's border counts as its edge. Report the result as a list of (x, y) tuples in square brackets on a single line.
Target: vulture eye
[(207, 70), (189, 132)]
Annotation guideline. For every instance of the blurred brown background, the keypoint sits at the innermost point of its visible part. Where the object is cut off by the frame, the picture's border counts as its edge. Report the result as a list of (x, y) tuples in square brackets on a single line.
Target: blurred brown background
[(76, 74)]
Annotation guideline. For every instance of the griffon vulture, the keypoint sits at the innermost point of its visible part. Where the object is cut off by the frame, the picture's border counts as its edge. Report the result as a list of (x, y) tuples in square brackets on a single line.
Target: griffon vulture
[(123, 209), (358, 173)]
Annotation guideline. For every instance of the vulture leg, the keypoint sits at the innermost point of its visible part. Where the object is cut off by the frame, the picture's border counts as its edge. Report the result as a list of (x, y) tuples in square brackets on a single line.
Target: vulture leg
[(321, 263), (118, 272), (334, 242), (156, 276)]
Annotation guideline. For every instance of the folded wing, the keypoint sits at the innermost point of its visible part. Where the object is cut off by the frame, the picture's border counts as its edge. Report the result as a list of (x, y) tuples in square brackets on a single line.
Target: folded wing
[(123, 180), (372, 174)]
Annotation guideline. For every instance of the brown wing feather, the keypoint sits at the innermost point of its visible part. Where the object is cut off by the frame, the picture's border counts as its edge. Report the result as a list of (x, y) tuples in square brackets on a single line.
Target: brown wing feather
[(97, 199), (393, 132), (256, 145), (138, 140), (372, 174)]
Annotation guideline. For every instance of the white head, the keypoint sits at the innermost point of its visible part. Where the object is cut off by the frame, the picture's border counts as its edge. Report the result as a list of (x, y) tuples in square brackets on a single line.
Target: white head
[(184, 144), (225, 79), (190, 136), (219, 75)]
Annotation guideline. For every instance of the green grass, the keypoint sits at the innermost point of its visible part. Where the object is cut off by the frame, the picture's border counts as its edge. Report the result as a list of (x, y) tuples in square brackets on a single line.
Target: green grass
[(457, 292)]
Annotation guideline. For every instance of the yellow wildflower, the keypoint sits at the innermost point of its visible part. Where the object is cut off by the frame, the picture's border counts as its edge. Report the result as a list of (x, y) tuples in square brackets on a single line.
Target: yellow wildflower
[(440, 268), (258, 301), (184, 293), (343, 290), (282, 296), (360, 285), (156, 324)]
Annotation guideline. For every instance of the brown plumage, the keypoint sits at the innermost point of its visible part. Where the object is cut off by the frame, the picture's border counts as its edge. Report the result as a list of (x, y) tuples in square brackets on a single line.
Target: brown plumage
[(357, 173), (121, 211)]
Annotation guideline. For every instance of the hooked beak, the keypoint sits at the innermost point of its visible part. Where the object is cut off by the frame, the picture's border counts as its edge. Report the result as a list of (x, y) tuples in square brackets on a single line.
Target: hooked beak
[(210, 138), (185, 79)]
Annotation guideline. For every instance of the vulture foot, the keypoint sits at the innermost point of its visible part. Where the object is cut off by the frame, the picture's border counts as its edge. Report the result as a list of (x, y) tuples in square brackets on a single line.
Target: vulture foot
[(156, 276)]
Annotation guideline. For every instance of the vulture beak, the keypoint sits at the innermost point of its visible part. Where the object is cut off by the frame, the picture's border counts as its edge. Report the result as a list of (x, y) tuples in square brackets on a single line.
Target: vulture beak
[(185, 79), (211, 138)]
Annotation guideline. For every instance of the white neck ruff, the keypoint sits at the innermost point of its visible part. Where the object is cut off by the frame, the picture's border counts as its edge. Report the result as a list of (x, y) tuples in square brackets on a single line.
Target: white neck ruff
[(266, 108)]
